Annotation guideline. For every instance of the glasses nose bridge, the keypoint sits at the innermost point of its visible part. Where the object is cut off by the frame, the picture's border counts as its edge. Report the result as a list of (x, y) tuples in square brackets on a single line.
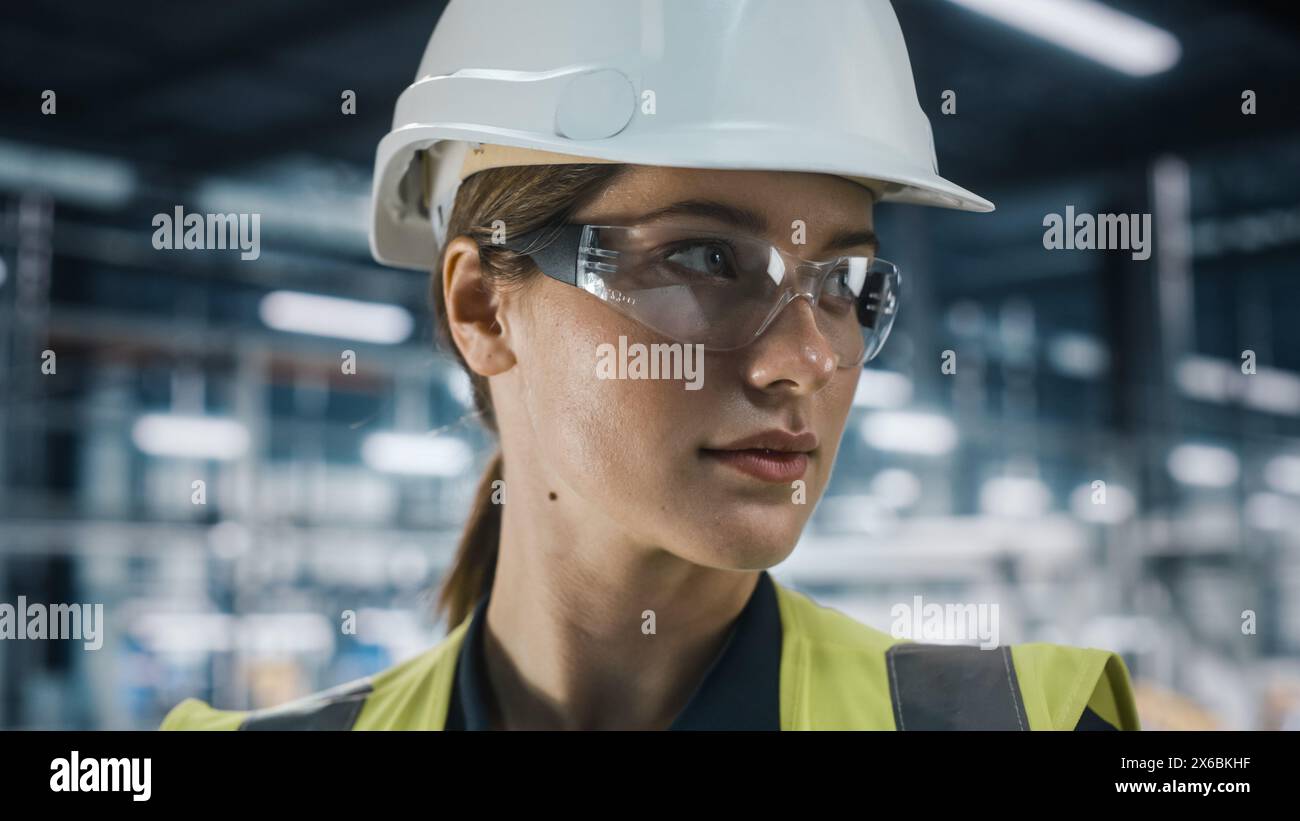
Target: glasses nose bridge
[(798, 278), (791, 267), (805, 279), (801, 280), (805, 270)]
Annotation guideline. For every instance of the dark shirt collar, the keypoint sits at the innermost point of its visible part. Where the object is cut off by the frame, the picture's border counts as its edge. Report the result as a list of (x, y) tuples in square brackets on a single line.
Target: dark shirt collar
[(740, 691)]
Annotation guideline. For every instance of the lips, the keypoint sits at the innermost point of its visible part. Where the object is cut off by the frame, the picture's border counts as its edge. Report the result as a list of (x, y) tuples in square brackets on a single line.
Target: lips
[(771, 456)]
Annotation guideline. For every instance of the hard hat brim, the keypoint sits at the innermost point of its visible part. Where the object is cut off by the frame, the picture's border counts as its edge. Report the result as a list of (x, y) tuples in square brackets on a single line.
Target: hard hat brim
[(401, 233)]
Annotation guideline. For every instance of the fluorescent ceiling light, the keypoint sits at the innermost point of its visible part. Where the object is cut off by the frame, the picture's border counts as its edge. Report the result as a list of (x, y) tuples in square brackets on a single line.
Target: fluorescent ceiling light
[(1273, 390), (191, 437), (1089, 28), (303, 313), (416, 454), (296, 196), (882, 389), (1119, 504), (923, 433), (1268, 511), (1283, 473), (1015, 496), (73, 176), (896, 488), (1078, 355), (1204, 465), (458, 382), (1204, 378)]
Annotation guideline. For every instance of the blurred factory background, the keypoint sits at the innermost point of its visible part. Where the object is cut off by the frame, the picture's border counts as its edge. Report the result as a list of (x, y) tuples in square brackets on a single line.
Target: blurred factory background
[(323, 492)]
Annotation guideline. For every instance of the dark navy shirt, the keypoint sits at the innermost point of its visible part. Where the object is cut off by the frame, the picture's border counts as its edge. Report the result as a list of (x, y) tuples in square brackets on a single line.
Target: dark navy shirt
[(740, 691)]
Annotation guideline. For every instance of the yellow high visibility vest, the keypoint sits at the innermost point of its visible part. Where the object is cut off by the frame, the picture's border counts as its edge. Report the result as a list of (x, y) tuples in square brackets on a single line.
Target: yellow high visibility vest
[(835, 674)]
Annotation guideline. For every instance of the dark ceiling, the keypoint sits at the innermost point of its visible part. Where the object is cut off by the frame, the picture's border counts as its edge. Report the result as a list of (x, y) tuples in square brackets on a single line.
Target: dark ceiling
[(205, 88)]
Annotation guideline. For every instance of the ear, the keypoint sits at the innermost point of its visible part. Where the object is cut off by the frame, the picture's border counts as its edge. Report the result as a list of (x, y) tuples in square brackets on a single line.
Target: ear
[(474, 310)]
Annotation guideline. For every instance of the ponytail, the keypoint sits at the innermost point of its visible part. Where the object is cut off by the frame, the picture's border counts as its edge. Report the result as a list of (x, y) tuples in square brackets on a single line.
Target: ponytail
[(476, 557)]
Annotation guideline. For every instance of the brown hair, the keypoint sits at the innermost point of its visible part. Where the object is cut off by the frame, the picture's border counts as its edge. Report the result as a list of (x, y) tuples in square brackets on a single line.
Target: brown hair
[(524, 198)]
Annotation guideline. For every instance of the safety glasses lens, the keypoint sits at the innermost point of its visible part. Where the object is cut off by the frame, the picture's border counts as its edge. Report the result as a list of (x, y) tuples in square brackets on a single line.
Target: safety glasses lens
[(721, 290)]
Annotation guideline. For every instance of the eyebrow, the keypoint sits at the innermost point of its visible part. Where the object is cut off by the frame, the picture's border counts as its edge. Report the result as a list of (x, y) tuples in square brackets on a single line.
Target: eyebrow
[(754, 223)]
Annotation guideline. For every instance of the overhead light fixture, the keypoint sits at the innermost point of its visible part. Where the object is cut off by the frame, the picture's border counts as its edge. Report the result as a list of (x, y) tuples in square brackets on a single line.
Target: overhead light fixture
[(896, 488), (1204, 465), (1269, 511), (882, 389), (74, 176), (923, 433), (1273, 390), (1115, 506), (1283, 473), (1015, 497), (296, 196), (1079, 355), (189, 437), (1204, 378), (319, 315), (416, 454), (1092, 29), (458, 382)]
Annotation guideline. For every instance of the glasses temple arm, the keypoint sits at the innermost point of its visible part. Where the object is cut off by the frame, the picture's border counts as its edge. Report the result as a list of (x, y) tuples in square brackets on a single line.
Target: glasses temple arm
[(558, 258)]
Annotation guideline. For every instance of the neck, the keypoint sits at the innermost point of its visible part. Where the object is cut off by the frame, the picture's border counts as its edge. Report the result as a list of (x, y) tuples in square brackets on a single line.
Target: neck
[(568, 640)]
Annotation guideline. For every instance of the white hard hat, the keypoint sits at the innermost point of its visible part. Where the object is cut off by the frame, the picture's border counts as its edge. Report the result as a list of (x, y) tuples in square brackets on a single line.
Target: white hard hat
[(726, 84)]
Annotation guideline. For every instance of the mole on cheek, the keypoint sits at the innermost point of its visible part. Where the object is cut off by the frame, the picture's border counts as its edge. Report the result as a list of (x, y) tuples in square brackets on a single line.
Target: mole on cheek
[(552, 495)]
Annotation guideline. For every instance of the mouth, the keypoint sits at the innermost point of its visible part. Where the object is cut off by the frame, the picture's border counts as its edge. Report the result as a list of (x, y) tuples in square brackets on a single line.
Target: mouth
[(772, 456)]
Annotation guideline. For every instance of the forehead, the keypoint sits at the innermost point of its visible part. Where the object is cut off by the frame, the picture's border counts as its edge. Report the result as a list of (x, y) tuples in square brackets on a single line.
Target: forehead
[(826, 203)]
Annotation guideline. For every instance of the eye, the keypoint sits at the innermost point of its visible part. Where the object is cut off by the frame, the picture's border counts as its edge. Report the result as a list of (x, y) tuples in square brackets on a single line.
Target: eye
[(846, 279), (710, 258), (857, 271), (842, 287)]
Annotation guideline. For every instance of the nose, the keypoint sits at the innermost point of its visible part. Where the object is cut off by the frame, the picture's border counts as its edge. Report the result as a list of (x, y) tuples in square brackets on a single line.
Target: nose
[(792, 355)]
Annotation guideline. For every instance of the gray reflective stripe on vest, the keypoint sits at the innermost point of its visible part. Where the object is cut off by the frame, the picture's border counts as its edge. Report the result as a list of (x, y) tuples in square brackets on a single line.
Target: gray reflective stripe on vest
[(954, 687), (333, 709)]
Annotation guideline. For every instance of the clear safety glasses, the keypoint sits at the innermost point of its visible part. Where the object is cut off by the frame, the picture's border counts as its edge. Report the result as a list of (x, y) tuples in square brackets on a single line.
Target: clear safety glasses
[(717, 288)]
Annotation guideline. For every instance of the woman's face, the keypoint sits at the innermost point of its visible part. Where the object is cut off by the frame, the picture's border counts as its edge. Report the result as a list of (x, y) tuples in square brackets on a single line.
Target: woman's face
[(658, 461)]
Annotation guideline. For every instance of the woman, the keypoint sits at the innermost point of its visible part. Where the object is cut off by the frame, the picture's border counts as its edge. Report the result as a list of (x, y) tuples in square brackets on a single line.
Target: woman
[(612, 572)]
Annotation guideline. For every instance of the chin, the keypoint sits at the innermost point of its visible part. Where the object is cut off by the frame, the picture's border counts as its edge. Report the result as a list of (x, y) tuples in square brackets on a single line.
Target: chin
[(748, 546)]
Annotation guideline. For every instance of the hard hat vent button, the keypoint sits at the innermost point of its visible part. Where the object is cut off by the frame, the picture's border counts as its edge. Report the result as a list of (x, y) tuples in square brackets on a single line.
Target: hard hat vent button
[(595, 105)]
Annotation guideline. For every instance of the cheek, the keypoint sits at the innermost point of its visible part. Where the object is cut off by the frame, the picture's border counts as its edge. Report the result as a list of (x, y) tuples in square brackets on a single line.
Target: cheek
[(832, 415), (835, 406), (607, 438)]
